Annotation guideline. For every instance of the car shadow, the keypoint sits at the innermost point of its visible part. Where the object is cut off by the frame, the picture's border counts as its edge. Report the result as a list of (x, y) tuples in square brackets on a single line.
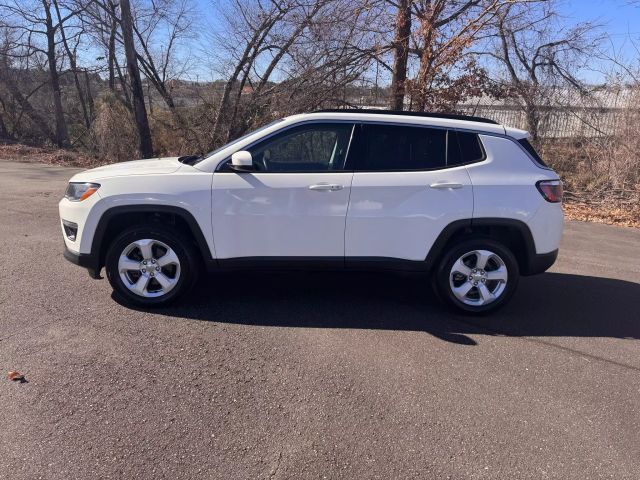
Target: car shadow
[(548, 305)]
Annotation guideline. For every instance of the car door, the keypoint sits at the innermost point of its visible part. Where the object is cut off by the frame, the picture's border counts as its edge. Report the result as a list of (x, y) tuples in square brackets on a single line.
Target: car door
[(409, 184), (295, 202)]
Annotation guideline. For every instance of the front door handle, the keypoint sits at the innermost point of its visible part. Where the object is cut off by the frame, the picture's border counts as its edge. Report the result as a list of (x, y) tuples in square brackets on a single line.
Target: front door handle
[(441, 185), (332, 187)]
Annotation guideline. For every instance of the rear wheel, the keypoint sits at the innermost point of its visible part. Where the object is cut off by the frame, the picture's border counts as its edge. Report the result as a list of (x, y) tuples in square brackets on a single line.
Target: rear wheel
[(151, 265), (477, 276)]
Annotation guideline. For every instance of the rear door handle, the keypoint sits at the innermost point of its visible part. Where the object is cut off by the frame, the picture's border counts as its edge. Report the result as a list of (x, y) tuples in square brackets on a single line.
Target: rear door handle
[(332, 187), (442, 185)]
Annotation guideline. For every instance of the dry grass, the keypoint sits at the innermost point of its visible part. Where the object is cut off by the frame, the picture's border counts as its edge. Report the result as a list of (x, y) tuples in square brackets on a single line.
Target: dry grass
[(623, 216), (601, 178), (50, 156)]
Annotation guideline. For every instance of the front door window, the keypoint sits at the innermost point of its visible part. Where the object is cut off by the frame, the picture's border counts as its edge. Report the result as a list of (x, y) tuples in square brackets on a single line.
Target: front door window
[(310, 148)]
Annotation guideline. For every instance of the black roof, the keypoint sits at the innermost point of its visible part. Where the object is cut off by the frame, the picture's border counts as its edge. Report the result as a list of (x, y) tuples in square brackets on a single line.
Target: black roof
[(449, 116)]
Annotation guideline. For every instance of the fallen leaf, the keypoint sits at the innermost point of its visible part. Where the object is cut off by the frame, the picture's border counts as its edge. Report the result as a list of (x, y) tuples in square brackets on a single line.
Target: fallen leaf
[(16, 376)]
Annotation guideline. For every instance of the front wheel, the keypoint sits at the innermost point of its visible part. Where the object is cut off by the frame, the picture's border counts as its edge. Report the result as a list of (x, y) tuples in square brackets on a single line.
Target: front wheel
[(151, 265), (477, 276)]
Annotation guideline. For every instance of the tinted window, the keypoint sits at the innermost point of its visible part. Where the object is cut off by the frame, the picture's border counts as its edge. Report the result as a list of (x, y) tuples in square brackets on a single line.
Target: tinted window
[(532, 151), (390, 147), (463, 147), (309, 148)]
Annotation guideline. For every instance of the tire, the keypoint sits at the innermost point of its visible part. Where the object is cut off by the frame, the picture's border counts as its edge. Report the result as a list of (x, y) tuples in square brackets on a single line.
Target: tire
[(486, 269), (171, 266)]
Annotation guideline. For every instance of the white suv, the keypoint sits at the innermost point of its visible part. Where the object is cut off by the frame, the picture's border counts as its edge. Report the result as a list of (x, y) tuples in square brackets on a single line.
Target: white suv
[(463, 198)]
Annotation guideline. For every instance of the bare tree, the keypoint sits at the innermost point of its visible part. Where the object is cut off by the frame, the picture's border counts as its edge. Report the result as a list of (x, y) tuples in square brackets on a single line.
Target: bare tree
[(164, 23), (541, 58), (174, 20), (137, 93), (315, 49), (72, 56), (38, 32), (50, 31), (7, 78), (101, 20), (434, 37), (250, 35)]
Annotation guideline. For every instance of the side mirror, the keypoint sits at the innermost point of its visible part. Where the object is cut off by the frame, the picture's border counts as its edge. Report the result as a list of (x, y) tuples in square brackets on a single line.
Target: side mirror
[(242, 161)]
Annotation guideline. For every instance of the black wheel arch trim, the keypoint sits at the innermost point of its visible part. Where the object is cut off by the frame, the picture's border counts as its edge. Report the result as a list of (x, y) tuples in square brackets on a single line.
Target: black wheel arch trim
[(534, 263), (98, 236)]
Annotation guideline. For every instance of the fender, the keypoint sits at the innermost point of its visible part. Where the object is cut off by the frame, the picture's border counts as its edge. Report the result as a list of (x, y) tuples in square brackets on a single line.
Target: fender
[(531, 264), (96, 257)]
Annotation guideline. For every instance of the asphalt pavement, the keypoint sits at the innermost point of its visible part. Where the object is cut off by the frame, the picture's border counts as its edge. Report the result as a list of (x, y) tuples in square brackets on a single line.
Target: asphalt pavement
[(313, 375)]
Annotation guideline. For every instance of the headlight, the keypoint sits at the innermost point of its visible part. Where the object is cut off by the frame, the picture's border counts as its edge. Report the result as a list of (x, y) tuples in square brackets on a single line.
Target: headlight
[(76, 192)]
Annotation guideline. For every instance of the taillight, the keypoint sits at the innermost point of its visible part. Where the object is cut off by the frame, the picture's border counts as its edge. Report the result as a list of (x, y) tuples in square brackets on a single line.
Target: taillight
[(551, 190)]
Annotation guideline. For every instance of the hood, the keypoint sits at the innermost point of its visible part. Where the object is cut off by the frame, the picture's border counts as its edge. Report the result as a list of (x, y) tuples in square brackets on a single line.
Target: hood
[(151, 166)]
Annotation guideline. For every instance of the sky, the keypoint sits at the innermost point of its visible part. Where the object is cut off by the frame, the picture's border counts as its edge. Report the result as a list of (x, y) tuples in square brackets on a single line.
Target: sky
[(619, 19), (618, 16)]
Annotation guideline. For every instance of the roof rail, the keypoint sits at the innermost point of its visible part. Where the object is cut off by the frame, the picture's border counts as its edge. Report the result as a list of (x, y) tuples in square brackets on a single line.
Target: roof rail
[(449, 116)]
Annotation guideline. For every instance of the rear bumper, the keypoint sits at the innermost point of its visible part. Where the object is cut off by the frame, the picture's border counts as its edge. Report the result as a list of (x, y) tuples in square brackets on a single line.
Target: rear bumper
[(540, 262), (86, 260)]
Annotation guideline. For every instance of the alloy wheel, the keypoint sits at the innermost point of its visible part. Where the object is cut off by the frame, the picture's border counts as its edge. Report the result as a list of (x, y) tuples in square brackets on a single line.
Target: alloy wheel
[(149, 268), (478, 278)]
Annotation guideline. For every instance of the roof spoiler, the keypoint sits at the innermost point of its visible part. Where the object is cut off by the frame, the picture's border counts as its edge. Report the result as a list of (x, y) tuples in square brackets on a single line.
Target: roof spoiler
[(516, 133)]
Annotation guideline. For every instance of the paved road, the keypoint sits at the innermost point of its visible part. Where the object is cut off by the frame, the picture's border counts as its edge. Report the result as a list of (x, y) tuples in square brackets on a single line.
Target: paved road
[(313, 375)]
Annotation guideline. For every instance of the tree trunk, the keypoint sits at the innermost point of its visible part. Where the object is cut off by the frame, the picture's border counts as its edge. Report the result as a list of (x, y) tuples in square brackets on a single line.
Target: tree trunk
[(533, 122), (401, 55), (111, 54), (87, 82), (74, 67), (150, 100), (422, 85), (421, 89), (4, 133), (137, 92), (61, 126), (126, 98)]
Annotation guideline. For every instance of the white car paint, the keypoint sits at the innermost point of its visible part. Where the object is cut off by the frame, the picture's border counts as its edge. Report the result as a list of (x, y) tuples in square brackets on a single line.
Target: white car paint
[(279, 214), (400, 214), (504, 187), (373, 214), (152, 166), (187, 188)]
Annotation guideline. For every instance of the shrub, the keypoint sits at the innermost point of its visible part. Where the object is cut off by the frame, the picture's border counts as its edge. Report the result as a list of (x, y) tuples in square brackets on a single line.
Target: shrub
[(114, 130)]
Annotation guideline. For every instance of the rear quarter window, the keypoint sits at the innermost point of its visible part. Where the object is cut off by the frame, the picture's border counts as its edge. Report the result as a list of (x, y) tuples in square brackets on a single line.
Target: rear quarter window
[(532, 151), (464, 148)]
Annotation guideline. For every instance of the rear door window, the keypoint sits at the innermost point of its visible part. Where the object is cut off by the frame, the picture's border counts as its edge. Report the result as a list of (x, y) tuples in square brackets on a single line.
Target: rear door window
[(400, 148)]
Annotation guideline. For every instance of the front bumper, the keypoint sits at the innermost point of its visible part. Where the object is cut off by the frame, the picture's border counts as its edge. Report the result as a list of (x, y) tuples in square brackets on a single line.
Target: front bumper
[(86, 260), (81, 216)]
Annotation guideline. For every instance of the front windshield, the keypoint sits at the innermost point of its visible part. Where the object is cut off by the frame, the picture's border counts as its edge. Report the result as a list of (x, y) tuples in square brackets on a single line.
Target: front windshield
[(239, 139)]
